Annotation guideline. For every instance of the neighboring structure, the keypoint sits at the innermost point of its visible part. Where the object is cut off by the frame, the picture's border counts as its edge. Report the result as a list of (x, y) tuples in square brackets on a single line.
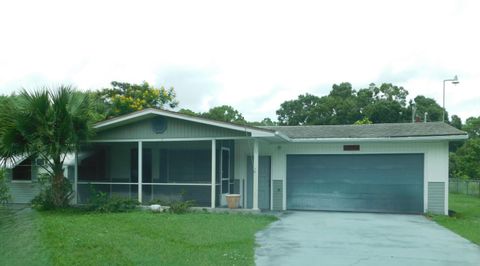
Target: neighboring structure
[(393, 168)]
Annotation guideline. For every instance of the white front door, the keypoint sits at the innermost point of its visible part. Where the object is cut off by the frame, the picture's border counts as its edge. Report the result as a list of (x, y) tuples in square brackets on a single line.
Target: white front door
[(224, 174)]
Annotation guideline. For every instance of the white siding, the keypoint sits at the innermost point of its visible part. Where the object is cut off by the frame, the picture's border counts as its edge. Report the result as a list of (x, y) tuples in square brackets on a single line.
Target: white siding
[(435, 154)]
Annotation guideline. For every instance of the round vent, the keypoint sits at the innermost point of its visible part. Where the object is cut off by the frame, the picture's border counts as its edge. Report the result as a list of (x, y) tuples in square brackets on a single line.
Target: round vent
[(159, 125)]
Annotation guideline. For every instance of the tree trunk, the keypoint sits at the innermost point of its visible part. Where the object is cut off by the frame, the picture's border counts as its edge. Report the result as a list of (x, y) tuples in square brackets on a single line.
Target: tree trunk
[(60, 192)]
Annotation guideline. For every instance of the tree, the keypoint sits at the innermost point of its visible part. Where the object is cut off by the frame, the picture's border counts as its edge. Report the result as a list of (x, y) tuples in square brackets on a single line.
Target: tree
[(47, 124), (385, 111), (302, 111), (472, 127), (224, 113), (364, 121), (188, 112), (4, 189), (430, 106), (465, 163), (265, 122), (456, 122), (123, 98)]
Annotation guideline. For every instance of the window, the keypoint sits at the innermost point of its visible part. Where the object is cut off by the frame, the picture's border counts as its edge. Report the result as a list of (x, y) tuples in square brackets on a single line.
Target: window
[(23, 171), (185, 166), (93, 167)]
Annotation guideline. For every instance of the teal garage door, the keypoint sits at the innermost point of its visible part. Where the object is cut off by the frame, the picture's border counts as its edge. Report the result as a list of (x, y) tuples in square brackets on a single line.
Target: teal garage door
[(390, 183)]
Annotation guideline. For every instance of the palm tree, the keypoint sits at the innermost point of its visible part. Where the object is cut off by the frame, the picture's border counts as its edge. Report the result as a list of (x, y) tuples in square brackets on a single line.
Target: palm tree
[(46, 124)]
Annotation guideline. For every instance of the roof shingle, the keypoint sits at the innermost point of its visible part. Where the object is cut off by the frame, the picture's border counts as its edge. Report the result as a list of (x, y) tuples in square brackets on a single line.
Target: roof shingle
[(391, 130)]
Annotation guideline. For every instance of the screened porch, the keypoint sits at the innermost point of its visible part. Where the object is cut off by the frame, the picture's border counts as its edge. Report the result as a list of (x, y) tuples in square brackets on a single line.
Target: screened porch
[(175, 170)]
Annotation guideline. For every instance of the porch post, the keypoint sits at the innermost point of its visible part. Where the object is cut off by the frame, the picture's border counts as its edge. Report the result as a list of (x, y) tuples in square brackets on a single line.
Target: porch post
[(75, 179), (214, 173), (140, 168), (255, 174)]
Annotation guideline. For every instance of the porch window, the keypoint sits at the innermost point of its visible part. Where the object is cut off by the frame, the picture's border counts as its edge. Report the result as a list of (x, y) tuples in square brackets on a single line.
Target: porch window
[(93, 167), (184, 166)]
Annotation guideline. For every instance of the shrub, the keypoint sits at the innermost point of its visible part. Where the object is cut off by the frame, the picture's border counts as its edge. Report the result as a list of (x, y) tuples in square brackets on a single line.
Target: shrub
[(45, 200), (181, 206), (4, 189), (101, 202), (177, 206)]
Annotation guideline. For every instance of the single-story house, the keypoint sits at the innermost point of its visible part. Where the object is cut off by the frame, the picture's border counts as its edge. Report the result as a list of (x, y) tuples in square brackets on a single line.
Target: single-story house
[(391, 168)]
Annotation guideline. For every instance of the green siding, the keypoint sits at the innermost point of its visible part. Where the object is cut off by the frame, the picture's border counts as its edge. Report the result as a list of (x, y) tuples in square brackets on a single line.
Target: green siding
[(176, 128), (23, 192), (436, 197), (277, 203)]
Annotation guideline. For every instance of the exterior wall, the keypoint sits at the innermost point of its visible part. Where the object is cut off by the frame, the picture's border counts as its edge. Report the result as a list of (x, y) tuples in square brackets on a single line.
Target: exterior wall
[(435, 156), (23, 191), (176, 129)]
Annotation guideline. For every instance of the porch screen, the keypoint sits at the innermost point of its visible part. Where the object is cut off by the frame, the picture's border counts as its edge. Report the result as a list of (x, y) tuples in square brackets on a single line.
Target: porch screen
[(185, 165)]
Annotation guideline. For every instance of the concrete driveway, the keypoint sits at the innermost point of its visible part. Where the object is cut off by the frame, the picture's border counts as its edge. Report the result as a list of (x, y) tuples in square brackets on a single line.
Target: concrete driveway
[(333, 238)]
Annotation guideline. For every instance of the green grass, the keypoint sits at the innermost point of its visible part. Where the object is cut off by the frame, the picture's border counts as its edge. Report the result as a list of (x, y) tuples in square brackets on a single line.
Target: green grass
[(466, 222), (136, 238)]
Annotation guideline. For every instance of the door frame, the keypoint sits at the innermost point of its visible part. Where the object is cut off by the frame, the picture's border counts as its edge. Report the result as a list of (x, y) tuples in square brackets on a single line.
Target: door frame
[(223, 200)]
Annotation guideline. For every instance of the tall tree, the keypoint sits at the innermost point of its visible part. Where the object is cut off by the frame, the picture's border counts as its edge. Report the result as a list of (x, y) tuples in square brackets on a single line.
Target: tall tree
[(123, 98), (224, 113), (472, 127), (48, 124), (302, 111), (430, 106)]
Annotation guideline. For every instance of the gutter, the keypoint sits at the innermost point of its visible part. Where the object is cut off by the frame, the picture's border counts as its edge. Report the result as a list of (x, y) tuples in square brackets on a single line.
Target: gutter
[(387, 139)]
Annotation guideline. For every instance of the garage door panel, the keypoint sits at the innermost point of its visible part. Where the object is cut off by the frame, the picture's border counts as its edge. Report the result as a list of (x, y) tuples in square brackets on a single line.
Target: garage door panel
[(378, 183)]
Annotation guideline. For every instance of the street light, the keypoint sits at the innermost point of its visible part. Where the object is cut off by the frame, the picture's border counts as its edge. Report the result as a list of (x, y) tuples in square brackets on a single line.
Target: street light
[(454, 81)]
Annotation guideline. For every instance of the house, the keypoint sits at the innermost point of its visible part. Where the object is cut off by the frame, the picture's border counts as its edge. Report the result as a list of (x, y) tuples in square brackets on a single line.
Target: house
[(391, 168)]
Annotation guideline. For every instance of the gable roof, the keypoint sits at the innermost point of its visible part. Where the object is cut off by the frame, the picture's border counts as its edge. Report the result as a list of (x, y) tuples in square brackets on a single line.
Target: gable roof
[(431, 130), (151, 112)]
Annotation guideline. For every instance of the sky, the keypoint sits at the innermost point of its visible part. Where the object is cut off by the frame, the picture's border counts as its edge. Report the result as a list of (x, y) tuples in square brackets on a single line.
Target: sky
[(252, 55)]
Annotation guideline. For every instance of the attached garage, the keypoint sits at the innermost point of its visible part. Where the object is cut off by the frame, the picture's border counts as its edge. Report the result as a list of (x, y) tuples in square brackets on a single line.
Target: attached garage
[(390, 183)]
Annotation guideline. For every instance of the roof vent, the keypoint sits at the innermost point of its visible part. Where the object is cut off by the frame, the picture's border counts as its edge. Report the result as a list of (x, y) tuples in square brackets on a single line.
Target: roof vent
[(351, 147)]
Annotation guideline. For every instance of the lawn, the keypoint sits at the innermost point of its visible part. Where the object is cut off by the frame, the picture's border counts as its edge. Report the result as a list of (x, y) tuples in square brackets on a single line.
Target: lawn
[(466, 222), (135, 238)]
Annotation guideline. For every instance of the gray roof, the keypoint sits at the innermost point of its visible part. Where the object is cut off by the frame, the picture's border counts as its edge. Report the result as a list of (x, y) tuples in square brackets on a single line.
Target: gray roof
[(392, 130)]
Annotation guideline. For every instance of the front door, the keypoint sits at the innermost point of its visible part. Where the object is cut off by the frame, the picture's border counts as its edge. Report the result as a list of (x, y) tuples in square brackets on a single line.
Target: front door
[(263, 182), (224, 175)]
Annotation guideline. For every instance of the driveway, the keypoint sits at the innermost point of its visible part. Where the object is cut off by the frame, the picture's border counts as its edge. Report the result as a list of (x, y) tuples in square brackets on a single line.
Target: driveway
[(333, 238)]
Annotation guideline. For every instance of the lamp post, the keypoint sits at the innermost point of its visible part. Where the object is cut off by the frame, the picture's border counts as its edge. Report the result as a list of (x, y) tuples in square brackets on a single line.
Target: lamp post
[(454, 81)]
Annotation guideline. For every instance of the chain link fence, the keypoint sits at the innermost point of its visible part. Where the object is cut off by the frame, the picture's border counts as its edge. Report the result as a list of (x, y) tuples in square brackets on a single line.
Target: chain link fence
[(465, 186)]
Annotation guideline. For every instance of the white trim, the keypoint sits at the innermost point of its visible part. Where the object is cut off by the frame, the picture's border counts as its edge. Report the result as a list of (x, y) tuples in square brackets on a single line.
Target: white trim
[(75, 180), (169, 139), (105, 183), (213, 177), (140, 171), (390, 139), (151, 184), (255, 175), (21, 181), (254, 132), (221, 173)]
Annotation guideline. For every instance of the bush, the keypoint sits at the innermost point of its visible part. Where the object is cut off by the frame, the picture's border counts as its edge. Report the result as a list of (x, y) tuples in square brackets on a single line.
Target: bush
[(179, 207), (176, 205), (4, 189), (101, 202), (45, 200)]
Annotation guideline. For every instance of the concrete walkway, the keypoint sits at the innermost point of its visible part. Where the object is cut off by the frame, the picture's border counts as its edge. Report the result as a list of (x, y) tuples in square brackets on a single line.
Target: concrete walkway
[(330, 238)]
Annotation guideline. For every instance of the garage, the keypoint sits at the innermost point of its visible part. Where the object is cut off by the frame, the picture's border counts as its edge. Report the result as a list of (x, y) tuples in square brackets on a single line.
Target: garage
[(390, 183)]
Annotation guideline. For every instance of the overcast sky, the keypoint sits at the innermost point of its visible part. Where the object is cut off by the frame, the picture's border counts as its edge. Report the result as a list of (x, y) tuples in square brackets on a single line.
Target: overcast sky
[(252, 55)]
